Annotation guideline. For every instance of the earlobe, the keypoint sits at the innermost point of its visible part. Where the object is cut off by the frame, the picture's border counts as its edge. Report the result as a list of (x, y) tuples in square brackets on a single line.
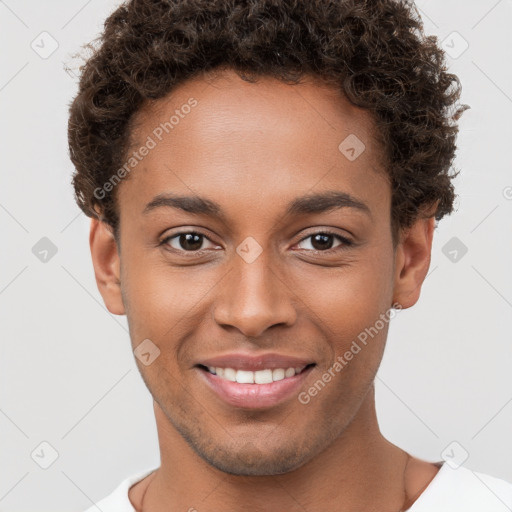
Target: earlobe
[(107, 265), (412, 261)]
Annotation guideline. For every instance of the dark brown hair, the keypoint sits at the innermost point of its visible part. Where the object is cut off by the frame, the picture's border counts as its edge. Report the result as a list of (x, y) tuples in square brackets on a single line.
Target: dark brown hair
[(374, 51)]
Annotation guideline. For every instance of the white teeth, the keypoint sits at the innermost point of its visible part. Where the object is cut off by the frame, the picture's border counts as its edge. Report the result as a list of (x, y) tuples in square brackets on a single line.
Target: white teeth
[(229, 374), (265, 376), (278, 374), (290, 372), (245, 377)]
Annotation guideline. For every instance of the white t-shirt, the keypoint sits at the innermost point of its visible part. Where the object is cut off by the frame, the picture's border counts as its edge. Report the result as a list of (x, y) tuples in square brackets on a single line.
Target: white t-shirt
[(451, 490)]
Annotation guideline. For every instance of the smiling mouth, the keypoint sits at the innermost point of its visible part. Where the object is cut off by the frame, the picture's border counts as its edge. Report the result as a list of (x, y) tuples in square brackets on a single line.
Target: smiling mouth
[(262, 388), (263, 376)]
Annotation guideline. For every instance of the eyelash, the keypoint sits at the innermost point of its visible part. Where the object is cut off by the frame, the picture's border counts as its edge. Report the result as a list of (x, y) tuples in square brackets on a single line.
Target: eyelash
[(345, 242)]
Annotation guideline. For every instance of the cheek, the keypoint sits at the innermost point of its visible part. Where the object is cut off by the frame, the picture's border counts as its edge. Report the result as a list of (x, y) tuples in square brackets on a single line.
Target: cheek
[(162, 301), (351, 306), (349, 298)]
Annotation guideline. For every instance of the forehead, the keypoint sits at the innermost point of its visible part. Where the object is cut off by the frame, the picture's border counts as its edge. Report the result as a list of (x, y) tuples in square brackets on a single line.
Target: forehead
[(220, 136)]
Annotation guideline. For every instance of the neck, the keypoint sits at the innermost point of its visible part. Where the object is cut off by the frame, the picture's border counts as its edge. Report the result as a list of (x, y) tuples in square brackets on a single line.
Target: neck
[(361, 470)]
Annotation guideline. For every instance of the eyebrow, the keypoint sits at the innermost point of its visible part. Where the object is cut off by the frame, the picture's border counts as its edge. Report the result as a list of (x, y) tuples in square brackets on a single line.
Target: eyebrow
[(309, 204)]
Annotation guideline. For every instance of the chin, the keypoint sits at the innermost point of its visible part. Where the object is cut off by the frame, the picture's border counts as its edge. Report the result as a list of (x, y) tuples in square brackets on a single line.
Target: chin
[(249, 461)]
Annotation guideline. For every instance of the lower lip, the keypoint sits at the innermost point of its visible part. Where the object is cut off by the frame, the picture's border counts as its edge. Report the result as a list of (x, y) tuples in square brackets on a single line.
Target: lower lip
[(255, 396)]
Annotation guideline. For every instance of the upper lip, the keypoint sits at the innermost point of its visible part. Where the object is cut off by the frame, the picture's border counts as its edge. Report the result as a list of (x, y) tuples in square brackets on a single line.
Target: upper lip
[(251, 362)]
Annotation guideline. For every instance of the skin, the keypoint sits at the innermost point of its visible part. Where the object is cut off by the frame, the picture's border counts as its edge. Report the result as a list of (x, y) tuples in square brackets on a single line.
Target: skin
[(253, 148)]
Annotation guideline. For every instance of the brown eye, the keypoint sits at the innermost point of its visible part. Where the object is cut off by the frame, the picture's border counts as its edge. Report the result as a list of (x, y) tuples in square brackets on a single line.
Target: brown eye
[(323, 241), (188, 241)]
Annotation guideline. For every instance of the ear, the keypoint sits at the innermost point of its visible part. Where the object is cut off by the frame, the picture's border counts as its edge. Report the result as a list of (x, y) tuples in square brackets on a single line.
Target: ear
[(412, 260), (107, 265)]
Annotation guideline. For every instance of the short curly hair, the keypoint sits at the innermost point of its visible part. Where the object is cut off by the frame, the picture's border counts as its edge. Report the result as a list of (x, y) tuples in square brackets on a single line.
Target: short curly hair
[(374, 51)]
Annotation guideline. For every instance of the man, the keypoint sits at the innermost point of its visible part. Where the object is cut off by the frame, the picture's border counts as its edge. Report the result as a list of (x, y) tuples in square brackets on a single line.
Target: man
[(263, 180)]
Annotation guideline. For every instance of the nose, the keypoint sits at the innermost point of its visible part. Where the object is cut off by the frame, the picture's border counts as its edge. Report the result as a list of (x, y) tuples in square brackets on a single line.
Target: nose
[(254, 298)]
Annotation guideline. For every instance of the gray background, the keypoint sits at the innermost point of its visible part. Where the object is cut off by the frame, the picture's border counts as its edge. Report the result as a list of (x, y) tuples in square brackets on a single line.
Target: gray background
[(67, 374)]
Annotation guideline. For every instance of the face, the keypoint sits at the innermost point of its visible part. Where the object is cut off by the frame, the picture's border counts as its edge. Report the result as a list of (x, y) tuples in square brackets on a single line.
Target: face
[(259, 277)]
